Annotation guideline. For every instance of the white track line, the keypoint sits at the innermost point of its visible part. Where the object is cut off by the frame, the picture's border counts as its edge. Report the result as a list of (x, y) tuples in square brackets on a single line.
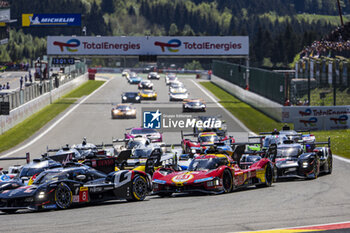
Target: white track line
[(242, 125), (53, 125), (291, 228)]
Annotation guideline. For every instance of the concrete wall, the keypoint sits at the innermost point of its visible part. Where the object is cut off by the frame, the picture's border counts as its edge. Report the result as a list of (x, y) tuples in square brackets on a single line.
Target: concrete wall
[(270, 108), (22, 112)]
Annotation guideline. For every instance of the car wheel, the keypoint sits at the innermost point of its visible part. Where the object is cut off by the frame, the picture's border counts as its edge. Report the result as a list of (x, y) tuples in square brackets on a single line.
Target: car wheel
[(63, 196), (139, 188), (315, 169), (268, 177), (227, 181), (12, 211), (330, 164)]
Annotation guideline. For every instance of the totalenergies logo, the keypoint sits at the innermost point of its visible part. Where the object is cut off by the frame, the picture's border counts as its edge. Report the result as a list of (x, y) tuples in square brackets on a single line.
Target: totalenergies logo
[(307, 112), (311, 122), (342, 119), (69, 45), (174, 43)]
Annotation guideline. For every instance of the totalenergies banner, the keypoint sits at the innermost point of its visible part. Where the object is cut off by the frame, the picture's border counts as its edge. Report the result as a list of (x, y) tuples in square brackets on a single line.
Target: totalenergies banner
[(317, 117), (126, 45)]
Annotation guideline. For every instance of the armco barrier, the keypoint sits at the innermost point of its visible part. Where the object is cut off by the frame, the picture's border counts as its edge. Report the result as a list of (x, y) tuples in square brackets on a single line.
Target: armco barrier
[(270, 108), (22, 112)]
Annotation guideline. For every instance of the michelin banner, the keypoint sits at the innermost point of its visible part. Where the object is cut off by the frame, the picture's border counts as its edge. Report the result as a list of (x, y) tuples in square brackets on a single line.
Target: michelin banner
[(60, 20)]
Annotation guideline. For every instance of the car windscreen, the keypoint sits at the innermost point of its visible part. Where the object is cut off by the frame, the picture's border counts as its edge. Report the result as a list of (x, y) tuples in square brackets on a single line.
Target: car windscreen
[(124, 107), (211, 138), (143, 131), (141, 153), (288, 152), (131, 94), (195, 103), (133, 144), (29, 172), (50, 176), (203, 164), (147, 91)]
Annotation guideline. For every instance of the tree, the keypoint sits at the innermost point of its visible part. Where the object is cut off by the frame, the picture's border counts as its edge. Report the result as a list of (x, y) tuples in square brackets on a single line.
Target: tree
[(173, 30), (108, 6)]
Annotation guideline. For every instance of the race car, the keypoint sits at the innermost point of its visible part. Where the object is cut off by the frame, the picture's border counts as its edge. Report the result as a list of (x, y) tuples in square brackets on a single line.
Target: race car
[(169, 78), (126, 73), (220, 131), (62, 188), (123, 111), (204, 141), (145, 84), (296, 136), (152, 134), (178, 95), (292, 161), (177, 85), (135, 79), (213, 174), (131, 97), (192, 105), (153, 75), (148, 94)]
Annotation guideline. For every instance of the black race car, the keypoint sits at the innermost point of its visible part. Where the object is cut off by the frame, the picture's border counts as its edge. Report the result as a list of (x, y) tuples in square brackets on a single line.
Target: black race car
[(131, 97), (62, 188), (295, 161)]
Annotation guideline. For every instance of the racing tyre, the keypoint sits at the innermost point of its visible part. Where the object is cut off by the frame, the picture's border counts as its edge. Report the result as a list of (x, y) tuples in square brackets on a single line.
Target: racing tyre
[(227, 181), (9, 211), (316, 168), (139, 188), (268, 177), (63, 196), (330, 164)]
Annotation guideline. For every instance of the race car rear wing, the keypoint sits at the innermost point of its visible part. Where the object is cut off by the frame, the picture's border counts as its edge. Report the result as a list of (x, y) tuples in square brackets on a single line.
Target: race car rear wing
[(27, 158), (328, 143)]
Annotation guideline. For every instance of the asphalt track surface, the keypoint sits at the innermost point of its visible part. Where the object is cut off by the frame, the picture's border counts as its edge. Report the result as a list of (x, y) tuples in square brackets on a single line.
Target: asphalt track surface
[(285, 204)]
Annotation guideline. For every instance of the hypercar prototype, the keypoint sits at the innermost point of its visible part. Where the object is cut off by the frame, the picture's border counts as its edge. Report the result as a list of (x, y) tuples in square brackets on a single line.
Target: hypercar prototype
[(153, 75), (169, 78), (145, 84), (213, 173), (220, 131), (178, 95), (293, 162), (64, 187), (193, 105), (152, 134), (135, 79), (204, 141), (123, 111), (126, 73), (131, 97), (148, 95), (176, 86)]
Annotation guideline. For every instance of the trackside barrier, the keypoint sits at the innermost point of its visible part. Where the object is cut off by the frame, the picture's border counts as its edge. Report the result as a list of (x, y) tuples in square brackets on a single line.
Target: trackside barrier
[(269, 107), (22, 112)]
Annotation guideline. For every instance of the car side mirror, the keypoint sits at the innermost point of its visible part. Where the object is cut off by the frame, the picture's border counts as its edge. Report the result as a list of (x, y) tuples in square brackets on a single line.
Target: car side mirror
[(24, 178), (81, 177)]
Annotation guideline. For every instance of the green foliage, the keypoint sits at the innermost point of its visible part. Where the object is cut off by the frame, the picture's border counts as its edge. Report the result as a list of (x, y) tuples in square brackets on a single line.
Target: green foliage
[(194, 65), (29, 126)]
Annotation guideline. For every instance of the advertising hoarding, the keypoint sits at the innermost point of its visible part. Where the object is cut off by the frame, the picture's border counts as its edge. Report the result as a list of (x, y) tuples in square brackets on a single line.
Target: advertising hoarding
[(146, 45), (61, 20)]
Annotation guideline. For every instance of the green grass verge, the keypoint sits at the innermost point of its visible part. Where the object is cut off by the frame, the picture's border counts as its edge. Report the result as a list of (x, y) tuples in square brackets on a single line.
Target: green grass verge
[(342, 98), (257, 121), (32, 124)]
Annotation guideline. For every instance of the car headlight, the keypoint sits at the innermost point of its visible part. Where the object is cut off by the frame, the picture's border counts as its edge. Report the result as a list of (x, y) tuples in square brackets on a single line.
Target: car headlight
[(124, 98), (137, 97), (305, 164), (212, 183), (187, 105), (203, 106), (41, 195), (115, 111)]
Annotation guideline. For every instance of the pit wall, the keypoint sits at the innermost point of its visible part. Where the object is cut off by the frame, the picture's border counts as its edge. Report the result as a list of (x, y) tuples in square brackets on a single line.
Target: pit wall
[(270, 108), (22, 112)]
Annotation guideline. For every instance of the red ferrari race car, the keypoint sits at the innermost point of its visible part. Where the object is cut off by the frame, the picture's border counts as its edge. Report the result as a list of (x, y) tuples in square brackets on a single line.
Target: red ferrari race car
[(213, 174), (204, 141)]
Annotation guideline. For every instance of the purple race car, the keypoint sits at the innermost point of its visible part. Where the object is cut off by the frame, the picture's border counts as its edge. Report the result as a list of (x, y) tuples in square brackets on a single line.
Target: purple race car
[(152, 134)]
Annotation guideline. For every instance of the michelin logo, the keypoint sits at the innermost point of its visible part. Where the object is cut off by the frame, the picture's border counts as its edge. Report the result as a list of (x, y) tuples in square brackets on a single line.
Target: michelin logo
[(152, 120)]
